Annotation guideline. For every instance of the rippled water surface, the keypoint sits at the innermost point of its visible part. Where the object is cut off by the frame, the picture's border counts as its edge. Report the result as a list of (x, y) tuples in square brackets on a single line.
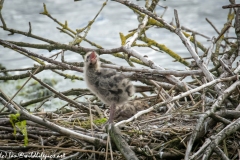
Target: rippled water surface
[(113, 19)]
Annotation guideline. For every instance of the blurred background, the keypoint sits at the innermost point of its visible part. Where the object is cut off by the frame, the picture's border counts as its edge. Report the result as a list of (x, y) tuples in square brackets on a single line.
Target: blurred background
[(114, 18)]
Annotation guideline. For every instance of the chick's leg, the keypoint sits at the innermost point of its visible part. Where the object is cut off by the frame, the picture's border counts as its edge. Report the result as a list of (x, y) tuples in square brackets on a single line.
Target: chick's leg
[(112, 113)]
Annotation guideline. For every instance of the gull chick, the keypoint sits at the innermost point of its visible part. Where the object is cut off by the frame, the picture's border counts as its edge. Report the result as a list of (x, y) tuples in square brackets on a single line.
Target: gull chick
[(110, 87)]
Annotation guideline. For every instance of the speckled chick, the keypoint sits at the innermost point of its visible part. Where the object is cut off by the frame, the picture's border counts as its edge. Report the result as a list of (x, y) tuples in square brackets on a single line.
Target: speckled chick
[(110, 87)]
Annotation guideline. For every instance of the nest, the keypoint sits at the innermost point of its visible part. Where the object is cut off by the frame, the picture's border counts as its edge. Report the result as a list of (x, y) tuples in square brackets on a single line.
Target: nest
[(168, 118)]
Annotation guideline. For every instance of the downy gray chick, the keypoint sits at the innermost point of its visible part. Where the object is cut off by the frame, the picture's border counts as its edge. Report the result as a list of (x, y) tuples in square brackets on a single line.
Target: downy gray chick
[(110, 87)]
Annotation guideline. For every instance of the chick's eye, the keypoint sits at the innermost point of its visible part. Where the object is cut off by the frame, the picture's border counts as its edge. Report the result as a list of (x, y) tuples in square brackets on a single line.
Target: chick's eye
[(87, 59)]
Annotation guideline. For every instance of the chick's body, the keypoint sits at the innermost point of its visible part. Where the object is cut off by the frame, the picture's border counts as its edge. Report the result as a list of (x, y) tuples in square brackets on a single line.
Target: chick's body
[(110, 87)]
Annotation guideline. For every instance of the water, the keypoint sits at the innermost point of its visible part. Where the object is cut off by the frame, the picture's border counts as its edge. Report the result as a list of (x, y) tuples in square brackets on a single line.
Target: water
[(114, 18)]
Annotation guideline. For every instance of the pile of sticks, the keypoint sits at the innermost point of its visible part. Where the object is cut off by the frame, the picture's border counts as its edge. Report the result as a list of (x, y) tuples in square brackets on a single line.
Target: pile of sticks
[(169, 118)]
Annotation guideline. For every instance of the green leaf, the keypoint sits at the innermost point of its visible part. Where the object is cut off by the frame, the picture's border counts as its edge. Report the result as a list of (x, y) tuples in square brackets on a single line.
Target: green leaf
[(21, 125)]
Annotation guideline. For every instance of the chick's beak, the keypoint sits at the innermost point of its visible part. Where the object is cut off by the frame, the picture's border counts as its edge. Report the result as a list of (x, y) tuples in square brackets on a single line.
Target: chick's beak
[(93, 58)]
